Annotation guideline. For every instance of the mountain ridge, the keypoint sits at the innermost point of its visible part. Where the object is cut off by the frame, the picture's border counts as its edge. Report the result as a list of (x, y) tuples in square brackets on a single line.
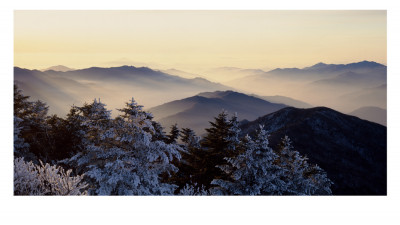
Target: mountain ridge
[(113, 85), (197, 111)]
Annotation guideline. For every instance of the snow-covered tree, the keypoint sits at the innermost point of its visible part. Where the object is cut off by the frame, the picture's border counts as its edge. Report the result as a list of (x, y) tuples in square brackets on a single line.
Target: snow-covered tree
[(253, 171), (96, 122), (20, 147), (120, 156), (300, 177), (26, 180), (232, 138), (44, 179), (320, 181)]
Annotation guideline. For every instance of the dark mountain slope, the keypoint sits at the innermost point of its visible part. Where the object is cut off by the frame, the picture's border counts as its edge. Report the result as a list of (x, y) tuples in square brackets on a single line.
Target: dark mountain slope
[(352, 151)]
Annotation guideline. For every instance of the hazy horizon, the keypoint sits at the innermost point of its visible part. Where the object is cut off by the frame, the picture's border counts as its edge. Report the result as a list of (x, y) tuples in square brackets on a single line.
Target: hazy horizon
[(207, 73), (195, 41)]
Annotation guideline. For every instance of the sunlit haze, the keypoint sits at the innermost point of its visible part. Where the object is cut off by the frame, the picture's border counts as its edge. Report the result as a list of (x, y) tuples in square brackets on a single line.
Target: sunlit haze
[(195, 41)]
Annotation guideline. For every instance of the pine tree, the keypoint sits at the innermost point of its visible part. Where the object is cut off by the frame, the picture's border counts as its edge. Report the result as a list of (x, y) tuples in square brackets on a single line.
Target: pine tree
[(21, 103), (32, 126), (216, 145), (173, 134), (189, 138), (74, 127), (190, 165)]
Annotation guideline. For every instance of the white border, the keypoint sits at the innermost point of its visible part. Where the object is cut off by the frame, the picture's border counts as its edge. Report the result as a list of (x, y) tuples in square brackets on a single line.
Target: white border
[(201, 210)]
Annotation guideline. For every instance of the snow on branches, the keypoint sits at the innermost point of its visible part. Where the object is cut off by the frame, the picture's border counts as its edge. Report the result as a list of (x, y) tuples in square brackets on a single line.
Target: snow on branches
[(44, 179)]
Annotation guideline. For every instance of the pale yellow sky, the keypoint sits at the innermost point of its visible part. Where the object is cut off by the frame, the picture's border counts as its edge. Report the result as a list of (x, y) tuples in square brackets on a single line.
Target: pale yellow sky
[(195, 40)]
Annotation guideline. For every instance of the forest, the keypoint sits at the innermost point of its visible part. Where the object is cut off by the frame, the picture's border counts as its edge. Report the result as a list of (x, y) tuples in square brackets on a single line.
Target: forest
[(88, 152)]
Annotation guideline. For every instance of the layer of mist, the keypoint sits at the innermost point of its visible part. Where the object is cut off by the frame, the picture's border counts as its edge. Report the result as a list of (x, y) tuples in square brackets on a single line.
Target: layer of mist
[(343, 87)]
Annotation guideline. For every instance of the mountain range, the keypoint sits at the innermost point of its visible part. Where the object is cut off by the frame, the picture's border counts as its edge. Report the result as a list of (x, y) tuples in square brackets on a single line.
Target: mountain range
[(113, 86), (352, 151), (323, 84)]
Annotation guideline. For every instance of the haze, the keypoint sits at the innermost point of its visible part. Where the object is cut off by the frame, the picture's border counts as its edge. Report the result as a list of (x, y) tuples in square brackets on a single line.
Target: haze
[(197, 41)]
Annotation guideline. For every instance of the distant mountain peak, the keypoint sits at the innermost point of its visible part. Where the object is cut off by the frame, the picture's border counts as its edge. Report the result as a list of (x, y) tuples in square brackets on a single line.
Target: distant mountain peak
[(286, 70), (59, 68), (218, 94), (366, 63), (318, 65)]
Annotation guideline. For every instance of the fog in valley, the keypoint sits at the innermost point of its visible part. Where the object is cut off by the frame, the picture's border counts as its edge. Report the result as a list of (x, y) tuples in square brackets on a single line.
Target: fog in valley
[(346, 88)]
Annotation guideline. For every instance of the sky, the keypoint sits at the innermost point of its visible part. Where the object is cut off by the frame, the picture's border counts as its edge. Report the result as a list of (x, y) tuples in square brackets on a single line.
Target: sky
[(197, 40)]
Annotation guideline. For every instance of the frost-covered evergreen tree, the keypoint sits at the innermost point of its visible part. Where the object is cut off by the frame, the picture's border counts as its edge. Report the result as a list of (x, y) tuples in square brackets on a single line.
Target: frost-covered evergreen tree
[(44, 179), (320, 181), (124, 159), (20, 147), (300, 177), (96, 122), (253, 171), (233, 140)]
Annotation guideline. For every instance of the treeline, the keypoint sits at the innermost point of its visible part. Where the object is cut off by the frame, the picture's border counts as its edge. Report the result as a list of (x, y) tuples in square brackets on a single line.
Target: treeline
[(89, 152)]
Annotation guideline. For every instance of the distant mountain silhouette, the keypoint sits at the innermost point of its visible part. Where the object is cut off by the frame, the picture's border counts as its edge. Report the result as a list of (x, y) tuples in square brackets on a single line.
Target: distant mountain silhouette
[(350, 78), (351, 150), (321, 68), (371, 113), (114, 86), (58, 92), (59, 68), (196, 112), (321, 84)]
